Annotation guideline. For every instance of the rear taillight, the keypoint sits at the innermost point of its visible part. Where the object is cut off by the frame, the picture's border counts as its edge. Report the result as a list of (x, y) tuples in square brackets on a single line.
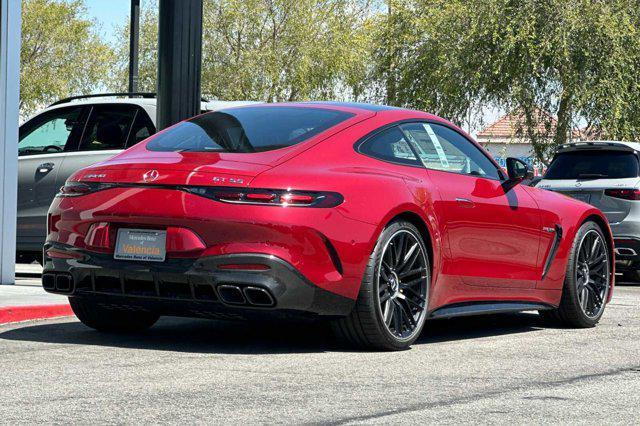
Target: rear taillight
[(268, 197), (625, 194), (76, 189)]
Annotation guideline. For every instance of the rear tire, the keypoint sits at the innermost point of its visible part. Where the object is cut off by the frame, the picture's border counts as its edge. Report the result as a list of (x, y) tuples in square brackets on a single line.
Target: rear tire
[(391, 308), (587, 281), (97, 317)]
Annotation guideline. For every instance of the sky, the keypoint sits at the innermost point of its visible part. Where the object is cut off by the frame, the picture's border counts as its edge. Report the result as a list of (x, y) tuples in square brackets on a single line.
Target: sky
[(109, 14)]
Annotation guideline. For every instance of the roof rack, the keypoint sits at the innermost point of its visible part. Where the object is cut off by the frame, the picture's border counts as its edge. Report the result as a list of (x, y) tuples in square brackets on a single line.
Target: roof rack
[(146, 95), (104, 95)]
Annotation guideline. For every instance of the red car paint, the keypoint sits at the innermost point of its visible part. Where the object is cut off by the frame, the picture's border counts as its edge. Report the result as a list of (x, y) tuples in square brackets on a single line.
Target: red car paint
[(487, 241)]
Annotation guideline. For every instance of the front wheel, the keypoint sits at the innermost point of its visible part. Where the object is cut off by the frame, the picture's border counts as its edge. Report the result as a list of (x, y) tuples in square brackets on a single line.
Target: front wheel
[(587, 281), (391, 308)]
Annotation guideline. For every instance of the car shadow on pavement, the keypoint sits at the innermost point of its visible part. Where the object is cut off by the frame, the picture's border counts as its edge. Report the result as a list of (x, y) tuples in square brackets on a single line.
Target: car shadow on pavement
[(207, 336), (476, 327)]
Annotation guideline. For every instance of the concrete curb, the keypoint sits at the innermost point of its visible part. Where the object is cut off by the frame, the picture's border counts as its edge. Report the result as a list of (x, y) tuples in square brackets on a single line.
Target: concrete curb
[(10, 314)]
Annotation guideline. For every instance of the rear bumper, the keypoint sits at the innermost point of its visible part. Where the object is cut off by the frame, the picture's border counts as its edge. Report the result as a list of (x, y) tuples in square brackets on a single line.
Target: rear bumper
[(191, 287), (627, 248), (626, 228), (327, 248), (627, 253), (626, 238)]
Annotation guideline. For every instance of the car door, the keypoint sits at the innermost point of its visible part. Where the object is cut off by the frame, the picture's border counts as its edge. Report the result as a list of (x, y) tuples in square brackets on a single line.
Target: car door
[(43, 145), (110, 129), (492, 226)]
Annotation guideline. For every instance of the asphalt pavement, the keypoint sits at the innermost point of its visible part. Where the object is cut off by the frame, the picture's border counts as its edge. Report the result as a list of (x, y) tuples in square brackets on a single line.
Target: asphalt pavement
[(497, 369)]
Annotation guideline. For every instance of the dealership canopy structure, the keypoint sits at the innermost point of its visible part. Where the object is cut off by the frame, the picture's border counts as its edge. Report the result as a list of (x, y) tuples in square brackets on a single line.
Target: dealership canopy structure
[(179, 66), (9, 101)]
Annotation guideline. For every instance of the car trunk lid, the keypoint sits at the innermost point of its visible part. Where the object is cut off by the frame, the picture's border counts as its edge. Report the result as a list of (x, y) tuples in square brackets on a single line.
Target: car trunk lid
[(593, 192), (174, 168)]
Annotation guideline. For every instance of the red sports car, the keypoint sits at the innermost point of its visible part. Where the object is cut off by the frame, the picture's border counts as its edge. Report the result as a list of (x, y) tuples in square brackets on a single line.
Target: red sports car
[(373, 217)]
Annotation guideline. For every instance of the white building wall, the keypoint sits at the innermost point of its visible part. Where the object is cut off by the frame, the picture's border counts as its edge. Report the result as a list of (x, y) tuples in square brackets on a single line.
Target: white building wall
[(504, 150)]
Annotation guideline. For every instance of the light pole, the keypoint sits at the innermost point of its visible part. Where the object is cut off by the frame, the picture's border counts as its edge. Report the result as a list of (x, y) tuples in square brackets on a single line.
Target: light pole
[(134, 37)]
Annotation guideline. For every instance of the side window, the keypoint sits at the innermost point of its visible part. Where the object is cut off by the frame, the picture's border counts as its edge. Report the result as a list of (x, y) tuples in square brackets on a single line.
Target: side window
[(108, 127), (441, 148), (142, 128), (390, 145), (48, 133)]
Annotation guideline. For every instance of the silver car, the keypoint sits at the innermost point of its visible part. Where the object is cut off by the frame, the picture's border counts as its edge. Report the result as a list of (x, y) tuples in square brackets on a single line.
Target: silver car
[(605, 174), (71, 134)]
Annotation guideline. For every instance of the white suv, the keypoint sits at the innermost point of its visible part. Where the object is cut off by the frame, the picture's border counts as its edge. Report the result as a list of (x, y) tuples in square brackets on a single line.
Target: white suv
[(605, 174), (71, 134)]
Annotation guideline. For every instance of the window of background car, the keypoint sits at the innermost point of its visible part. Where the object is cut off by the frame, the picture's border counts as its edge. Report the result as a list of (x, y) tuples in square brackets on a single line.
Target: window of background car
[(248, 129), (108, 127), (48, 133), (441, 148), (142, 128), (390, 145), (600, 164)]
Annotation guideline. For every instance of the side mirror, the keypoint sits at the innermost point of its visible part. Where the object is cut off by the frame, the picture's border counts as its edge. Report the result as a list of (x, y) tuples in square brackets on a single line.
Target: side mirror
[(518, 170)]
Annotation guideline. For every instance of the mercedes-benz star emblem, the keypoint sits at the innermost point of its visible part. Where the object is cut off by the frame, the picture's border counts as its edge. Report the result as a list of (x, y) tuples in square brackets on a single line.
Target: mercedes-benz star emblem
[(150, 176)]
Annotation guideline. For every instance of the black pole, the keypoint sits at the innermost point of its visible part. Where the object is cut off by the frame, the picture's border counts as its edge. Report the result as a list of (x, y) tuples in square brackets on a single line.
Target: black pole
[(179, 60), (134, 37)]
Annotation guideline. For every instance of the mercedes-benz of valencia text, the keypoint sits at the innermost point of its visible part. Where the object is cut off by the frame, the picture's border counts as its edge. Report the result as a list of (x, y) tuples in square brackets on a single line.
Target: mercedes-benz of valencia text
[(374, 218)]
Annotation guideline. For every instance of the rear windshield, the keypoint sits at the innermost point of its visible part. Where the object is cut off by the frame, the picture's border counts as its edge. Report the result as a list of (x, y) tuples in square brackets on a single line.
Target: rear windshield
[(593, 165), (247, 129)]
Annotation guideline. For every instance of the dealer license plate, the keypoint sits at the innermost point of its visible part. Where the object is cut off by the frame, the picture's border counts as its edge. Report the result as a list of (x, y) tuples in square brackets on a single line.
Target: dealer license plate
[(141, 244)]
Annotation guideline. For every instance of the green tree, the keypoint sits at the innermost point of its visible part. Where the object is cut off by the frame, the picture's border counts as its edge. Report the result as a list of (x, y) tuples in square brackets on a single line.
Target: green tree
[(576, 59), (268, 50), (427, 56), (61, 53), (282, 50)]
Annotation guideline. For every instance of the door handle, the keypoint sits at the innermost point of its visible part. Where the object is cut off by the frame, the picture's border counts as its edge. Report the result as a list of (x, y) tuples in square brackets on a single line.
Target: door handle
[(465, 202), (45, 168)]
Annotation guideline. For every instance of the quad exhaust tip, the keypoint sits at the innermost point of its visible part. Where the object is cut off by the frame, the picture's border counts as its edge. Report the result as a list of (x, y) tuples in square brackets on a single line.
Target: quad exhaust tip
[(252, 296), (258, 296), (62, 283), (231, 294), (624, 251)]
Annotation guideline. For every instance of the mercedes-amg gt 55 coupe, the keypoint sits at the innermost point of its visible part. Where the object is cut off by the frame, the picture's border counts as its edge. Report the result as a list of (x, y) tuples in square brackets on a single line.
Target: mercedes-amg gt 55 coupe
[(374, 218)]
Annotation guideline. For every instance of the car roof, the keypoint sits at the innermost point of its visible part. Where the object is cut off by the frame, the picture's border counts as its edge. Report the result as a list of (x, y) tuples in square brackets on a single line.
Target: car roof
[(143, 102), (598, 145), (105, 100), (360, 108), (206, 105)]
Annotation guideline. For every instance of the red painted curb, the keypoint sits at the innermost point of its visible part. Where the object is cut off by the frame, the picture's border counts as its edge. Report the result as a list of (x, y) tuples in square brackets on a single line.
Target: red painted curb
[(9, 314)]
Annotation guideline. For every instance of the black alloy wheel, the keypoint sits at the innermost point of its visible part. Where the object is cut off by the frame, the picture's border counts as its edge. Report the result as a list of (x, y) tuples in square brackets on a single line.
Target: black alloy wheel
[(402, 284), (391, 308), (587, 281), (592, 272)]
